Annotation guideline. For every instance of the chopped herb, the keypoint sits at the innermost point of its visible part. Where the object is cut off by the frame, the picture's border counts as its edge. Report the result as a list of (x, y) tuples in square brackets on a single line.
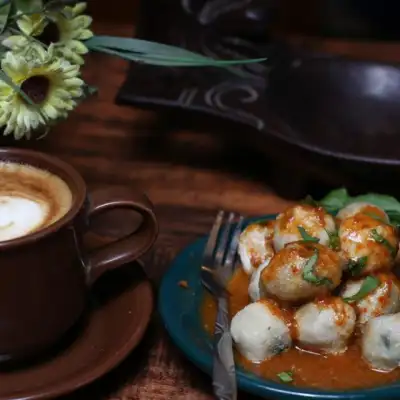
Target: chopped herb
[(376, 217), (369, 284), (306, 237), (356, 266), (334, 241), (381, 240), (286, 376), (308, 271)]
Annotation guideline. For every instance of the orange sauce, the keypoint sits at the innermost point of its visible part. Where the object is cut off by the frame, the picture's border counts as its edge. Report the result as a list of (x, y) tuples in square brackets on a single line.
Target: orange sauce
[(311, 370)]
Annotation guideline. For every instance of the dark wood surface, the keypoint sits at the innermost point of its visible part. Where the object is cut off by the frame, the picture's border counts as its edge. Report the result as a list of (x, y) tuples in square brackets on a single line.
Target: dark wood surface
[(188, 175)]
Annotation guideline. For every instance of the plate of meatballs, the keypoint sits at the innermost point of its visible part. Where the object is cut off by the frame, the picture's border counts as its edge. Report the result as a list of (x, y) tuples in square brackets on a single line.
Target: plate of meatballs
[(314, 301)]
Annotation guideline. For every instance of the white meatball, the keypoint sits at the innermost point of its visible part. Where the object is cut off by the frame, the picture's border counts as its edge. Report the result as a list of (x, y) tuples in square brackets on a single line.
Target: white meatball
[(255, 245), (363, 237), (286, 278), (381, 342), (363, 208), (385, 299), (314, 220), (260, 331), (325, 325)]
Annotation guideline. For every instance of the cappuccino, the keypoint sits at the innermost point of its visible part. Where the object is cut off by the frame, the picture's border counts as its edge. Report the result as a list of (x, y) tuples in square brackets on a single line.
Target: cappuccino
[(30, 199)]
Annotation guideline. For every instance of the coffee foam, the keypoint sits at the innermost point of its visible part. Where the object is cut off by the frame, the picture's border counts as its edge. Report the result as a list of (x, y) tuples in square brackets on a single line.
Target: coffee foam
[(30, 199)]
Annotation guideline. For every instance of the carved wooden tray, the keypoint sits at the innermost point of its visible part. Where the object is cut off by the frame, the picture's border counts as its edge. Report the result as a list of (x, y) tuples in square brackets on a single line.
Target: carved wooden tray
[(336, 126)]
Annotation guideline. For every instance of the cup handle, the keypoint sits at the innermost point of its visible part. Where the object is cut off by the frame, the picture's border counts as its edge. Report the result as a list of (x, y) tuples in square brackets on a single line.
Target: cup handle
[(128, 248)]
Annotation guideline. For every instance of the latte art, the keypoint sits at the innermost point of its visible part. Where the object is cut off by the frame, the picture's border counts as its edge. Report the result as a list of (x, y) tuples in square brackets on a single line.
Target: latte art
[(30, 199)]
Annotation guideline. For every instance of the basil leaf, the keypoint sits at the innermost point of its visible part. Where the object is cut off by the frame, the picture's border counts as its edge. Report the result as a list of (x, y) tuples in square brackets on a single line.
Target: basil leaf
[(335, 200), (356, 266), (375, 217), (306, 237), (339, 198), (387, 203), (334, 240), (394, 217), (286, 376), (369, 284), (381, 240), (308, 271)]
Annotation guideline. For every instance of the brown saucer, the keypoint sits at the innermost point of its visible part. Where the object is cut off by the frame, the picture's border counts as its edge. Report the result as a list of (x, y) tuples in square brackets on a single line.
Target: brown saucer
[(121, 305)]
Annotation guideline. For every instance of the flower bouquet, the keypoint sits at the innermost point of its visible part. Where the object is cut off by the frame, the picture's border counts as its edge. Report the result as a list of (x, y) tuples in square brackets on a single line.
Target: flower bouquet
[(43, 44)]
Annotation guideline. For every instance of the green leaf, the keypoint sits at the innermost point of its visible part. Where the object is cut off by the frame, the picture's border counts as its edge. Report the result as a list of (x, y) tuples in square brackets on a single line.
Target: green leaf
[(286, 376), (28, 6), (369, 284), (308, 271), (355, 267), (339, 198), (156, 53), (382, 240), (5, 11), (375, 217), (334, 240), (387, 203), (305, 236), (4, 2), (335, 200)]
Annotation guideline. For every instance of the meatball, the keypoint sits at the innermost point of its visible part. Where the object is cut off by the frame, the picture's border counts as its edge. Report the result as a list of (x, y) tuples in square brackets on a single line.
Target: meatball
[(315, 221), (325, 325), (367, 244), (363, 208), (385, 299), (381, 342), (255, 245), (260, 332), (301, 271)]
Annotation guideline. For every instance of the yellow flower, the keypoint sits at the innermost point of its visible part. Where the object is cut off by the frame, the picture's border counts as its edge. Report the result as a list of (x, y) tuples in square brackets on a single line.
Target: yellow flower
[(52, 84), (65, 29)]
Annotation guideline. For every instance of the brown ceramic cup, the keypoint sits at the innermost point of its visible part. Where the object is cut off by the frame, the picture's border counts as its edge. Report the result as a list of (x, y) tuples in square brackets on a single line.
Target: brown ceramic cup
[(45, 276)]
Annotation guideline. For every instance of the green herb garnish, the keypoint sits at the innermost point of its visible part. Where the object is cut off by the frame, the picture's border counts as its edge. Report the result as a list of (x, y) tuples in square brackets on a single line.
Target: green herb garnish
[(376, 217), (339, 198), (381, 240), (369, 284), (306, 237), (286, 376), (334, 241), (309, 274), (335, 200), (356, 266)]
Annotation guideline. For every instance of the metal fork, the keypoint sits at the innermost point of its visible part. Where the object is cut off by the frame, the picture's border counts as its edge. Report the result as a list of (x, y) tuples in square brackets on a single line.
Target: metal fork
[(217, 267)]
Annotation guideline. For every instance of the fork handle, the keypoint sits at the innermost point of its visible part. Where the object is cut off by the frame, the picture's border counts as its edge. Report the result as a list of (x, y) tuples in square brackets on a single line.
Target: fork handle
[(224, 376)]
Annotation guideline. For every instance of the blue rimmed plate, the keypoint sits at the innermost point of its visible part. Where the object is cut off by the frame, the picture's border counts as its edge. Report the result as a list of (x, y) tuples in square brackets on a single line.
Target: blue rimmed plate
[(180, 311)]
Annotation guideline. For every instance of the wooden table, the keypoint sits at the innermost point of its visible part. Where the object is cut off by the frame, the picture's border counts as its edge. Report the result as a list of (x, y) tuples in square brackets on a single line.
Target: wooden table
[(188, 175)]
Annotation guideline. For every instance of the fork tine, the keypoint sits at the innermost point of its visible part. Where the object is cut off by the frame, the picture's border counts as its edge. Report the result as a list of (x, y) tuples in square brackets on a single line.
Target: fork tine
[(212, 240), (231, 253), (223, 242)]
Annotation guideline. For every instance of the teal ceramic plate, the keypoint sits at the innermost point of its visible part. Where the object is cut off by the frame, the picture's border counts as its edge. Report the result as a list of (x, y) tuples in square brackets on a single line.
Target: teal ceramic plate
[(179, 309)]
